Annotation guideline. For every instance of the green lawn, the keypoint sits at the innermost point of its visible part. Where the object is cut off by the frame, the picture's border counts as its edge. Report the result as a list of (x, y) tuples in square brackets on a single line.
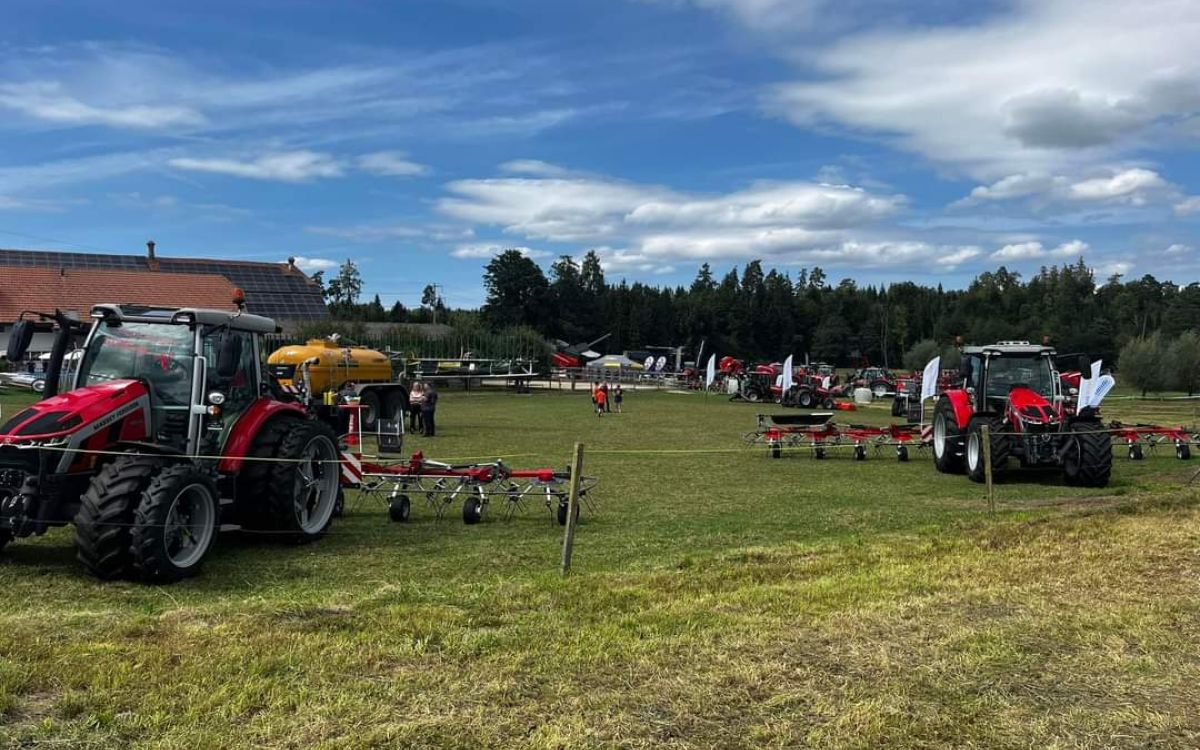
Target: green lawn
[(719, 599)]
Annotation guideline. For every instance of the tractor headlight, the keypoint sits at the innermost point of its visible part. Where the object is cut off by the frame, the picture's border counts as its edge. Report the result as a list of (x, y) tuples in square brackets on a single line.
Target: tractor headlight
[(216, 398)]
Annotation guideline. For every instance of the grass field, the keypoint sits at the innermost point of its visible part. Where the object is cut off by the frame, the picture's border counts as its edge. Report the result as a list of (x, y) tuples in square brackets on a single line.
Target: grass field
[(719, 599)]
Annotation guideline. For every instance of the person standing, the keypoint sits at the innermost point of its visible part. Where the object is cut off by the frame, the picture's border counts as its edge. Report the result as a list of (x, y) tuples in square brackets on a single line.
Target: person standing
[(416, 398), (428, 409), (618, 397), (607, 397), (595, 391), (601, 401)]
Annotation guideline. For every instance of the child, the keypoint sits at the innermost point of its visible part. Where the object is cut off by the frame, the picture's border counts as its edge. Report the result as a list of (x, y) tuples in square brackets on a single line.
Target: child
[(601, 401)]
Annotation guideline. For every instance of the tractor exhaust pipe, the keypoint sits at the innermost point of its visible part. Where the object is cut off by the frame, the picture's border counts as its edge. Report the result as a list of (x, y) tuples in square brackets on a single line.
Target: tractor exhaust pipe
[(62, 341)]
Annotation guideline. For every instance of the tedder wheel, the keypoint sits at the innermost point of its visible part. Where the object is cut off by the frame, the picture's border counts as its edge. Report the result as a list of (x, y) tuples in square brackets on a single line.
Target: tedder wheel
[(1135, 452), (1182, 451), (776, 450), (818, 453), (400, 508), (175, 524), (902, 453), (897, 407), (563, 505), (304, 483), (371, 410), (860, 453), (947, 439), (472, 510), (976, 467), (1087, 460), (339, 506), (106, 514)]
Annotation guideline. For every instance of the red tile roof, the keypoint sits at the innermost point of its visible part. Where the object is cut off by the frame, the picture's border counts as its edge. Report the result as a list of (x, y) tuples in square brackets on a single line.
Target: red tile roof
[(76, 290)]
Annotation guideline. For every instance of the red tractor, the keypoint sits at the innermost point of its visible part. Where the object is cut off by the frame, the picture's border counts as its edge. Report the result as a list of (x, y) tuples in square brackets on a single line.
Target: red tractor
[(1014, 388), (146, 453)]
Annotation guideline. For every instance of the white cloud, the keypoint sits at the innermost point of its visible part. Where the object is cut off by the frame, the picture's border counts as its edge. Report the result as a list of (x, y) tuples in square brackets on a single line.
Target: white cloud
[(485, 250), (1020, 251), (1177, 248), (764, 15), (1049, 86), (1111, 268), (312, 265), (391, 164), (1012, 186), (1072, 249), (1130, 184), (287, 166), (1134, 186), (382, 232), (533, 167), (47, 101), (1188, 206)]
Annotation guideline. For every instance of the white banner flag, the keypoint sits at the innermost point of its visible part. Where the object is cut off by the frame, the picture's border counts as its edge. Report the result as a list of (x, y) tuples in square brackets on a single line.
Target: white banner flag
[(1100, 389), (929, 379), (710, 374), (788, 380)]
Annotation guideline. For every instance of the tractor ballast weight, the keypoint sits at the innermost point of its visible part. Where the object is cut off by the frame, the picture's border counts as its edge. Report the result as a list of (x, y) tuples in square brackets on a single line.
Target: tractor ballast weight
[(1014, 389), (166, 435)]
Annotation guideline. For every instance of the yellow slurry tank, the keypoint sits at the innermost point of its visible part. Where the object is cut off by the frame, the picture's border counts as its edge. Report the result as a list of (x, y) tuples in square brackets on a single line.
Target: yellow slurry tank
[(333, 367)]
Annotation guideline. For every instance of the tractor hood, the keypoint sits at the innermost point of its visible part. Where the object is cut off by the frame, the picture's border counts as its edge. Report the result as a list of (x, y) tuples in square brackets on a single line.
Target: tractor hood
[(62, 415), (1030, 405)]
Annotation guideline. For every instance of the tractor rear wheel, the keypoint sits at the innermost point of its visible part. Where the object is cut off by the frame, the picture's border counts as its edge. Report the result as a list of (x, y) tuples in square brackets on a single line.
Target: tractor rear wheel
[(175, 524), (10, 486), (255, 481), (947, 439), (1088, 459), (305, 482), (976, 466), (106, 513)]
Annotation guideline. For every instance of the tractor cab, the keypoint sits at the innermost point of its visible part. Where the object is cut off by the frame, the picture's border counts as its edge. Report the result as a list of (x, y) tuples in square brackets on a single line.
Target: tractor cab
[(200, 367), (992, 374)]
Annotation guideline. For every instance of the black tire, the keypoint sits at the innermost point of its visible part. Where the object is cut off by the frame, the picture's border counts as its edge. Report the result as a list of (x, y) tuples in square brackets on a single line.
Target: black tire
[(339, 505), (1135, 452), (897, 407), (400, 509), (254, 482), (860, 453), (561, 514), (752, 396), (902, 453), (776, 451), (371, 410), (819, 453), (11, 482), (806, 400), (1182, 451), (881, 388), (472, 512), (976, 466), (948, 451), (305, 483), (1087, 461), (104, 521), (827, 403), (175, 525)]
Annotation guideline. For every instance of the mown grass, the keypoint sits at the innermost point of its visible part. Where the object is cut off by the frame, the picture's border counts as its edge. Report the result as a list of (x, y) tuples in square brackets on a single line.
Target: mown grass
[(718, 599)]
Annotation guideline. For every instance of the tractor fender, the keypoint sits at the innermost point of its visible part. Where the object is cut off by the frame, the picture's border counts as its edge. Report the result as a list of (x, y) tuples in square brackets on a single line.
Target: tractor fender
[(960, 401), (247, 428)]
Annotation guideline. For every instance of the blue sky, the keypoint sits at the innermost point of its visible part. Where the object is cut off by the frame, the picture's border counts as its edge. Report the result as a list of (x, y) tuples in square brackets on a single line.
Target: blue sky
[(881, 140)]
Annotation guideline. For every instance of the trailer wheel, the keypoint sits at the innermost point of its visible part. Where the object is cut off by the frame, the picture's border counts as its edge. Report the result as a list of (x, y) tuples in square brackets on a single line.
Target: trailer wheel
[(106, 514), (400, 508), (947, 439), (371, 410), (472, 511), (175, 524), (1087, 461), (1182, 451), (305, 483), (976, 466), (1135, 452), (563, 506)]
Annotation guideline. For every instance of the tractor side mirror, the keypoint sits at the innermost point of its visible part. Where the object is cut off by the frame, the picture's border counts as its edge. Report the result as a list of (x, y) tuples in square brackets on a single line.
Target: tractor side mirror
[(229, 355), (1084, 364), (19, 340)]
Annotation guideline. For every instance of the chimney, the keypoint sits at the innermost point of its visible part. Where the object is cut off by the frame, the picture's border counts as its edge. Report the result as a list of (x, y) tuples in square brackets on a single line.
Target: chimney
[(150, 249), (291, 263)]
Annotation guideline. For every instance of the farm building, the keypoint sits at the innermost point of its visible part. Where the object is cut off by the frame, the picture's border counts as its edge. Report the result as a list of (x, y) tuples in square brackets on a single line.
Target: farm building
[(73, 282)]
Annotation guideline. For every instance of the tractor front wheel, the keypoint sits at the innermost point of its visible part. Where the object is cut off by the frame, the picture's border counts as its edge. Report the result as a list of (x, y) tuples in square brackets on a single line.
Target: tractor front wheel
[(175, 525), (1087, 461), (947, 439), (976, 466), (806, 399), (106, 514)]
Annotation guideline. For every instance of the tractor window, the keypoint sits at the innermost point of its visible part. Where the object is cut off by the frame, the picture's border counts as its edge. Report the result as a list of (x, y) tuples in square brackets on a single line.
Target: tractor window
[(241, 389), (1007, 372), (156, 353)]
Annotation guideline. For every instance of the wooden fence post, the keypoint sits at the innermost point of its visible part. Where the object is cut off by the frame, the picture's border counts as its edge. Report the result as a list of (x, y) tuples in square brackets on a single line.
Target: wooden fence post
[(572, 508), (987, 466)]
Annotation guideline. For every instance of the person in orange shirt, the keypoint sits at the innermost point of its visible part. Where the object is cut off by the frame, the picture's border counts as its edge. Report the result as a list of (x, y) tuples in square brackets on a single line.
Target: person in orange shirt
[(601, 401)]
